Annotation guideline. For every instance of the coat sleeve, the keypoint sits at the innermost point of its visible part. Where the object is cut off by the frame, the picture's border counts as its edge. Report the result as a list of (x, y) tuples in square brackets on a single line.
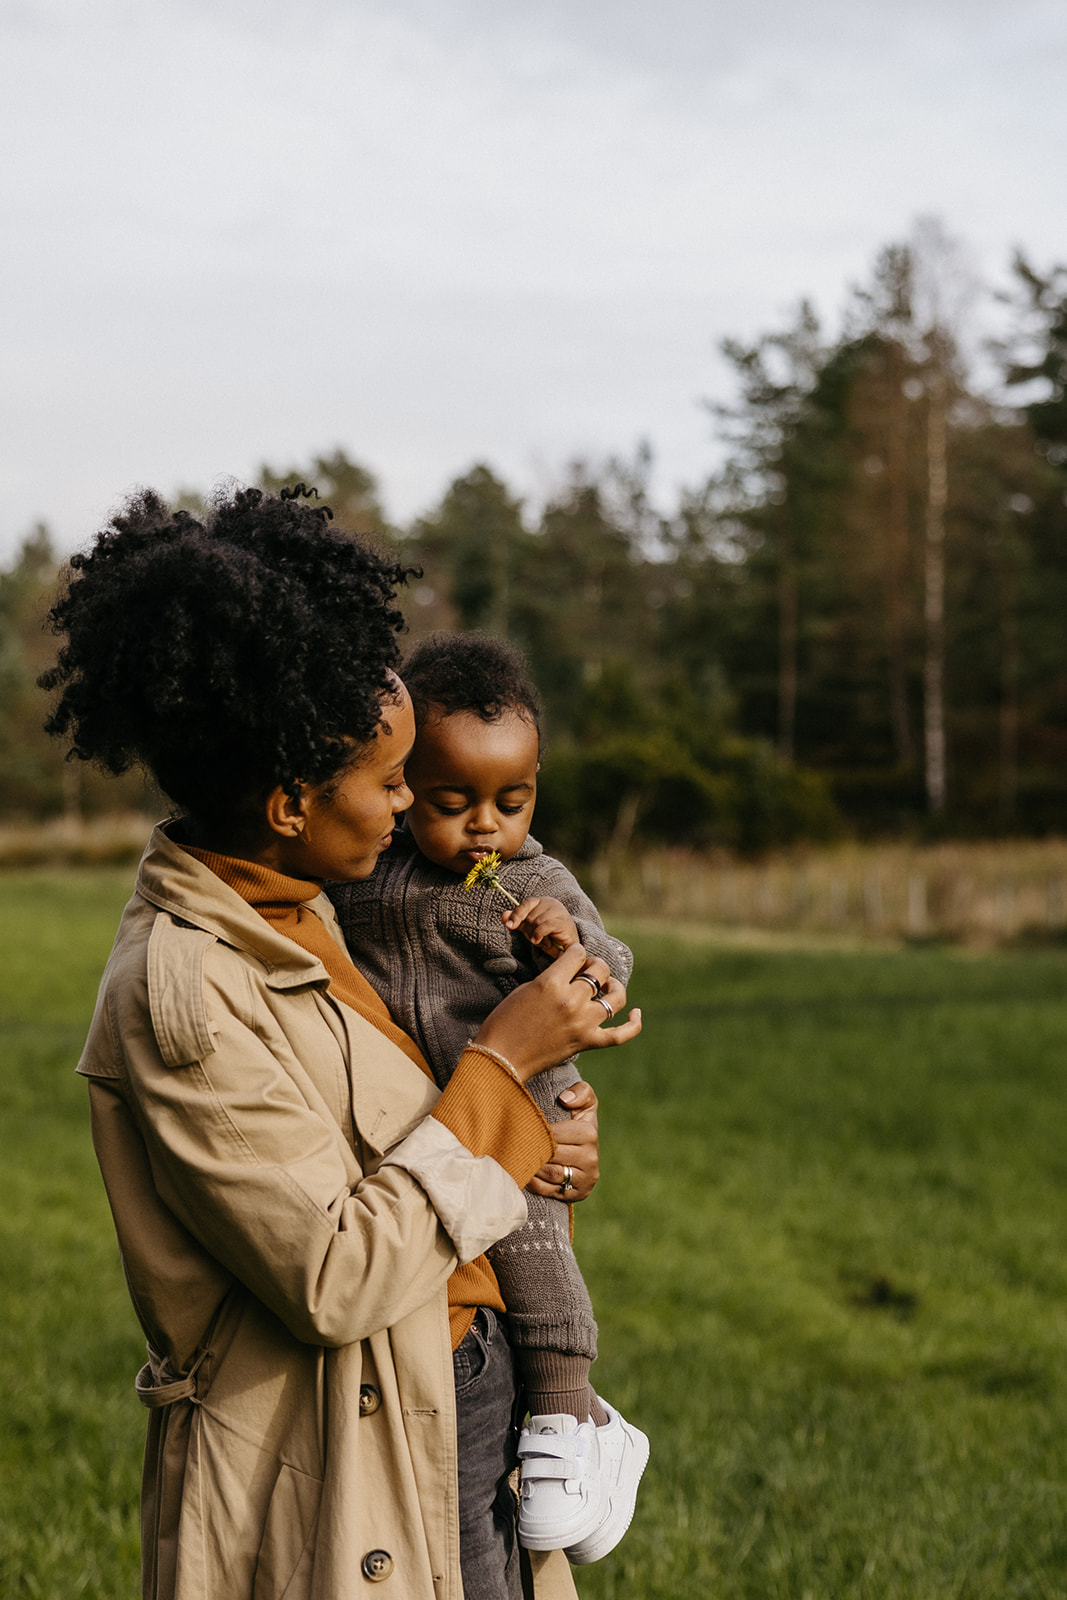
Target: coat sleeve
[(250, 1160)]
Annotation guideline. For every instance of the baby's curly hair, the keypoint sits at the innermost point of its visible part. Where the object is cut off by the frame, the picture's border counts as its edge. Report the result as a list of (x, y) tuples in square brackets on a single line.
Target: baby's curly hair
[(226, 655), (450, 672)]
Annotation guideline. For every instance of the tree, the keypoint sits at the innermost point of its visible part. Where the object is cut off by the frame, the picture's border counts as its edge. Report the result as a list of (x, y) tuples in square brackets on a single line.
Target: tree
[(584, 611), (35, 779), (938, 293), (471, 548), (1035, 355), (1033, 358), (857, 466), (882, 414), (31, 772), (763, 480)]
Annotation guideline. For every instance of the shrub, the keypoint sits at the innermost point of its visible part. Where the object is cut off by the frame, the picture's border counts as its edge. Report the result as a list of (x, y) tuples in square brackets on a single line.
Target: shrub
[(649, 788)]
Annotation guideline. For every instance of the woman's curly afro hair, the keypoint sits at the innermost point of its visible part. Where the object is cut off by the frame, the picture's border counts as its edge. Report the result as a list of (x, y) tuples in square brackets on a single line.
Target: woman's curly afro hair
[(450, 672), (226, 655)]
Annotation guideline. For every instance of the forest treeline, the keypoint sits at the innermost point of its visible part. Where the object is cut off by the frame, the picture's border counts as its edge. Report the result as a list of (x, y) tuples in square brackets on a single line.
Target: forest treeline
[(856, 624)]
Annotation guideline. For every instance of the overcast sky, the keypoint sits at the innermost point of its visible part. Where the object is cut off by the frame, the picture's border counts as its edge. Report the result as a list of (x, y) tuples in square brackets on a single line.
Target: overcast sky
[(441, 231)]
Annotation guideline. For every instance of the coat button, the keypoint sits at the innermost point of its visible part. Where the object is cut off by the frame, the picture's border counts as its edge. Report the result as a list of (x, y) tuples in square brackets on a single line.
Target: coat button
[(377, 1564), (370, 1399)]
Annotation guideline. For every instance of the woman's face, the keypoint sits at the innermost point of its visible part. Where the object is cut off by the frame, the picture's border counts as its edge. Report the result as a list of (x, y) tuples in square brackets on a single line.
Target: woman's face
[(348, 822)]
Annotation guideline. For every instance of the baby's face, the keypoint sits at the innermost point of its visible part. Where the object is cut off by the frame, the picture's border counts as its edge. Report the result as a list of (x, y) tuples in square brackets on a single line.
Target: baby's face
[(474, 784)]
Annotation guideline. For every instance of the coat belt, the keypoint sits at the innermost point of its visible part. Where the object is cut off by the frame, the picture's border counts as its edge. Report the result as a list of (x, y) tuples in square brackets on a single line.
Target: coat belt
[(154, 1389)]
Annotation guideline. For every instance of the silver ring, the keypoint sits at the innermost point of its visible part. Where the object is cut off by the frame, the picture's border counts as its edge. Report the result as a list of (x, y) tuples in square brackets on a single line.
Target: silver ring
[(599, 998), (568, 1180), (587, 977)]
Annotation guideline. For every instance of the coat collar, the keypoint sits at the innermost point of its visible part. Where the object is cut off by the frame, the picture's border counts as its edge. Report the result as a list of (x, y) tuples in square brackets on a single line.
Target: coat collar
[(176, 882), (389, 1094)]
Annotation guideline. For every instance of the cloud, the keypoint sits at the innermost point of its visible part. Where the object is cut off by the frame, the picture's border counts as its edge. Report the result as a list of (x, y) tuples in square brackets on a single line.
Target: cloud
[(436, 230)]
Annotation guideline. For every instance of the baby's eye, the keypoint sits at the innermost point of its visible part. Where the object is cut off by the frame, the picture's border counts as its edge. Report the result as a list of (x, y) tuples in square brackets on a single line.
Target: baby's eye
[(512, 811), (450, 811)]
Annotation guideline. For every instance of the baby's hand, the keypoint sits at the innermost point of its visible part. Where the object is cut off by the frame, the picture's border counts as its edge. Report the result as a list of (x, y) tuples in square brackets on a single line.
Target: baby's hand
[(546, 923)]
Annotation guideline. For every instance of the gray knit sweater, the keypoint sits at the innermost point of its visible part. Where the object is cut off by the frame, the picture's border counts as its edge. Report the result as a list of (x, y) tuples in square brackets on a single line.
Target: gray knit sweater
[(441, 959)]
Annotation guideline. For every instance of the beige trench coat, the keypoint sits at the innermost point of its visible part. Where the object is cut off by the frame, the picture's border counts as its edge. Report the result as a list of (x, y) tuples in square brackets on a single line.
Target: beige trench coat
[(288, 1215)]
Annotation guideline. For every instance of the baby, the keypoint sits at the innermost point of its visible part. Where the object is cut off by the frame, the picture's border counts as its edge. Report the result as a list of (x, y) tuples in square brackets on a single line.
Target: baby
[(441, 956)]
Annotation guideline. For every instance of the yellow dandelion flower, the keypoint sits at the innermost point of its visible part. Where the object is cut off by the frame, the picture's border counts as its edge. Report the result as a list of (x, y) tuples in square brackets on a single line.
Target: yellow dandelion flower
[(485, 871)]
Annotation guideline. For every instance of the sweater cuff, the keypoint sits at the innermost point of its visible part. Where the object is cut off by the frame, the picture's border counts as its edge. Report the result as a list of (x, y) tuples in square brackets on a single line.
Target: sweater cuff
[(490, 1112)]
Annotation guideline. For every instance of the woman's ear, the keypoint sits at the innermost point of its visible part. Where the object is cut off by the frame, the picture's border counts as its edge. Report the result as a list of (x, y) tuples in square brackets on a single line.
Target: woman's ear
[(286, 814)]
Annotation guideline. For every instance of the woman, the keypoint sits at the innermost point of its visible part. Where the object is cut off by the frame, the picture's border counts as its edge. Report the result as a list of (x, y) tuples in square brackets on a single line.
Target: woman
[(302, 1217)]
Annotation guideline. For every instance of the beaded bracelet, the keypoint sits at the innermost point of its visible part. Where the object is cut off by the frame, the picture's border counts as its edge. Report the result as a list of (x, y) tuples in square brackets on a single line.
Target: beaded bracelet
[(484, 1050)]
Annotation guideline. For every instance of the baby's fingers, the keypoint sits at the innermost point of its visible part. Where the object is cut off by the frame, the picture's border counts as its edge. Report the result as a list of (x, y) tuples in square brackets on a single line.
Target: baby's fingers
[(544, 922), (515, 916)]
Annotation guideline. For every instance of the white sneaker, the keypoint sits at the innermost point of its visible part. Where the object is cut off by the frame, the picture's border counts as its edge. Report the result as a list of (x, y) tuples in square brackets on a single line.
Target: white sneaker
[(559, 1501), (622, 1455)]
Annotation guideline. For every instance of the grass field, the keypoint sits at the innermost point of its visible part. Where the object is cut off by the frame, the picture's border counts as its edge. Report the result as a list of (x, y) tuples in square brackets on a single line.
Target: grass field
[(828, 1254)]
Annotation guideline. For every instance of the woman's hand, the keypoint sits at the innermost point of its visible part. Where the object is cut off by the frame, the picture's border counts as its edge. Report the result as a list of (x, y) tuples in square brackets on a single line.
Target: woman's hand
[(558, 1014), (573, 1173)]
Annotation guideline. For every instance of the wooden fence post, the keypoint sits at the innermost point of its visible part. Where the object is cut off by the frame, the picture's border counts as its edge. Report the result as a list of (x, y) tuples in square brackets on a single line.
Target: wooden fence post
[(917, 913), (873, 910)]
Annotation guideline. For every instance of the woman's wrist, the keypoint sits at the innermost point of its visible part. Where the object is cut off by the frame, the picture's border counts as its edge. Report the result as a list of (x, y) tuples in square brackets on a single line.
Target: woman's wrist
[(510, 1053), (494, 1055)]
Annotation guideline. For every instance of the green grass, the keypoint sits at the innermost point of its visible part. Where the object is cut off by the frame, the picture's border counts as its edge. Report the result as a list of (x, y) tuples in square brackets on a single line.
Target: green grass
[(828, 1256), (829, 1261), (70, 1436)]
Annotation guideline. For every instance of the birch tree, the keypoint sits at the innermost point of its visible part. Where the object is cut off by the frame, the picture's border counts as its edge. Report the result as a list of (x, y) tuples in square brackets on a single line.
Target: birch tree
[(942, 290)]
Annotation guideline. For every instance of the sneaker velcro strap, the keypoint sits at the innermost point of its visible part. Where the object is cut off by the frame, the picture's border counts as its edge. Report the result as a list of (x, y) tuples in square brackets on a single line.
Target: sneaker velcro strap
[(558, 1456), (563, 1446)]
